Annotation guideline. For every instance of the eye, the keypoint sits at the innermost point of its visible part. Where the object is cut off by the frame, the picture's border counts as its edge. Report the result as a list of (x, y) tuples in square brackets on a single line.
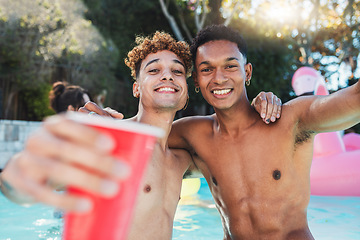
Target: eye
[(178, 72), (205, 70), (231, 66), (154, 70)]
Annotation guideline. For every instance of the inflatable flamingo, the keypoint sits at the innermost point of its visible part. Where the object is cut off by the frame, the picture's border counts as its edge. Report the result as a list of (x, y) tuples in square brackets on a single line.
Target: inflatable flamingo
[(351, 141), (335, 169)]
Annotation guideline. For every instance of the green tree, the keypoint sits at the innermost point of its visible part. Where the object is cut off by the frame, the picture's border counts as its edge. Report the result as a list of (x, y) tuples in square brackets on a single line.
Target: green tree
[(184, 19), (324, 34), (45, 41)]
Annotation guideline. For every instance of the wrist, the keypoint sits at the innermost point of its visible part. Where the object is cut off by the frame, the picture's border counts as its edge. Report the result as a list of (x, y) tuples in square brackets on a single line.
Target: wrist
[(12, 194), (5, 187)]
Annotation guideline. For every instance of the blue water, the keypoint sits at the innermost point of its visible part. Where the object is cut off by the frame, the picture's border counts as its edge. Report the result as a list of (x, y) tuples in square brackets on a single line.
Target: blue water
[(330, 218)]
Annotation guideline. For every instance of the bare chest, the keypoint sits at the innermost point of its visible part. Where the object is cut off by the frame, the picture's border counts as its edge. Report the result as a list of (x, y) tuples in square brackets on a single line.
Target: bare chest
[(161, 184), (257, 180), (259, 163)]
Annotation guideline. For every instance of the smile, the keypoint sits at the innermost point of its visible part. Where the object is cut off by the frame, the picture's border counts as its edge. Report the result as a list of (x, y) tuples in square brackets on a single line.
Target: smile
[(222, 91), (166, 89)]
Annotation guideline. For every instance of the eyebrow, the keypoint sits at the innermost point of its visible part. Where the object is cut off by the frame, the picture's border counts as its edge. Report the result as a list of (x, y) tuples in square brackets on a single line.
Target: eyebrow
[(157, 59), (226, 60), (152, 61)]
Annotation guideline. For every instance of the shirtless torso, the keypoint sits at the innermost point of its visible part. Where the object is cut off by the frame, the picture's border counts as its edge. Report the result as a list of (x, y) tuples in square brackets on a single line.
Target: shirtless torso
[(259, 175), (162, 88), (159, 195), (260, 182)]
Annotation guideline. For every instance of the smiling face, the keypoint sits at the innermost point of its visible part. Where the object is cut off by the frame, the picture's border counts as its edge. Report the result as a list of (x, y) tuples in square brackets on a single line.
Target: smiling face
[(221, 72), (161, 83)]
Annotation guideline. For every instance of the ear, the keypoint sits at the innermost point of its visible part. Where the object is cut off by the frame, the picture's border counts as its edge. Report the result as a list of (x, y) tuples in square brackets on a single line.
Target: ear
[(70, 108), (194, 76), (248, 71), (136, 92)]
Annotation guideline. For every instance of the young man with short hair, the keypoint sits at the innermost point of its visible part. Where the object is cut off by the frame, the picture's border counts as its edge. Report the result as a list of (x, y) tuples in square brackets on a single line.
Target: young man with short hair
[(259, 175)]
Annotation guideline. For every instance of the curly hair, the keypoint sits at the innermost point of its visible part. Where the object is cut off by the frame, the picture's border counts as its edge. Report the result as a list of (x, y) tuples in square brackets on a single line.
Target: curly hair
[(158, 42), (218, 32)]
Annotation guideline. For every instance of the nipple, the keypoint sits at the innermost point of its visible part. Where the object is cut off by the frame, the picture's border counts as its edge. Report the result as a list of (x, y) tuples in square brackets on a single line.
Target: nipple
[(147, 188), (276, 174)]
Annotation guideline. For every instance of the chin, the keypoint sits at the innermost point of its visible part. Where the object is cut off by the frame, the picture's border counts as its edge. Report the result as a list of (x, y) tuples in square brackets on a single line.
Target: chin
[(164, 106), (221, 106)]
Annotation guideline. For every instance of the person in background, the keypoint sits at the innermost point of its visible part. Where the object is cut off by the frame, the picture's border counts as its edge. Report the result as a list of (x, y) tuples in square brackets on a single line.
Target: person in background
[(64, 97)]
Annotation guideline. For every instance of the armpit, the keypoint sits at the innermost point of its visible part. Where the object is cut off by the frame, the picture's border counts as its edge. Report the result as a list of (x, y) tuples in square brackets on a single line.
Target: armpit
[(303, 137)]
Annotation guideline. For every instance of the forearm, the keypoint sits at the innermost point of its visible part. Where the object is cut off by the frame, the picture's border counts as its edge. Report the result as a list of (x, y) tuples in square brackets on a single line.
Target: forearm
[(6, 187), (335, 112)]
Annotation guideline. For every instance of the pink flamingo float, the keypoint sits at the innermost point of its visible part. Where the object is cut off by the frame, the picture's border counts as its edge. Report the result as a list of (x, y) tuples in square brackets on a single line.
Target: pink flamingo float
[(335, 170)]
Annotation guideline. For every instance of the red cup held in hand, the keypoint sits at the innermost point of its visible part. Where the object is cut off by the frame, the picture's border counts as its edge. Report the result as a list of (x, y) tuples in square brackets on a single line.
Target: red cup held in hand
[(110, 217)]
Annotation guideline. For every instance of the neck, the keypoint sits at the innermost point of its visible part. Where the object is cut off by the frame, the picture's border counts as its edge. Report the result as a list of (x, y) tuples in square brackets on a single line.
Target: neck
[(158, 118), (236, 119)]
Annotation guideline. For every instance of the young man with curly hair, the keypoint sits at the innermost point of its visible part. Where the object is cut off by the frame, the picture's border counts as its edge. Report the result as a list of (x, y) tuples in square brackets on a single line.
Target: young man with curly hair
[(159, 65), (259, 175)]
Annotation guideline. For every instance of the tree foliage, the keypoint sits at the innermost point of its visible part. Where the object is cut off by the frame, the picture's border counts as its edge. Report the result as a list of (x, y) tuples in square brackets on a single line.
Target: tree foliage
[(282, 36), (45, 41), (322, 34)]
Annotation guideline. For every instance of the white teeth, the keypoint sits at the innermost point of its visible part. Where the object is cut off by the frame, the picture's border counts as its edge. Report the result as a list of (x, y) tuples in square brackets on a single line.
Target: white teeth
[(166, 89), (221, 92)]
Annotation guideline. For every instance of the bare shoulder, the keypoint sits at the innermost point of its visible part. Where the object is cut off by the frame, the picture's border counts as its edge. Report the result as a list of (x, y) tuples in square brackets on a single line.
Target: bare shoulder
[(188, 128), (298, 106), (193, 122)]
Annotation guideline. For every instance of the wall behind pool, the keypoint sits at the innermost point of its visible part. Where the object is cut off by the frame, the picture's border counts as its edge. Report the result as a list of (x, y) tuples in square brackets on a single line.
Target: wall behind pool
[(13, 134)]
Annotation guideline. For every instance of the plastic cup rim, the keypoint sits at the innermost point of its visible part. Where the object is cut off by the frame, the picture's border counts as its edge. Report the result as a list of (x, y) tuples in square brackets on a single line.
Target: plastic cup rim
[(129, 126)]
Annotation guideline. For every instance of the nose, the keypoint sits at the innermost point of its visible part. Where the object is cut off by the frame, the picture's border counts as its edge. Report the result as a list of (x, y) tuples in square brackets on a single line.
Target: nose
[(219, 77), (167, 75)]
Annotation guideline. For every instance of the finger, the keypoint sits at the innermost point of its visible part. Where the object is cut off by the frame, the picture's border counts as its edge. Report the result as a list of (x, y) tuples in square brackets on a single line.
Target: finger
[(261, 99), (263, 103), (259, 103), (28, 187), (69, 175), (269, 107), (64, 201), (275, 109), (60, 127), (113, 113), (93, 107), (34, 173), (51, 170), (46, 195), (47, 146), (83, 110), (278, 114)]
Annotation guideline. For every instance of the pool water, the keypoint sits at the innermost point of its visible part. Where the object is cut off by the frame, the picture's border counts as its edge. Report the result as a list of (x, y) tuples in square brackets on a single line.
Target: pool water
[(330, 218)]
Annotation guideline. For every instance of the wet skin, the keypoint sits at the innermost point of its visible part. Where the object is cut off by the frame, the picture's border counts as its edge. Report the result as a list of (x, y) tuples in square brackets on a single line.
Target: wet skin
[(259, 175)]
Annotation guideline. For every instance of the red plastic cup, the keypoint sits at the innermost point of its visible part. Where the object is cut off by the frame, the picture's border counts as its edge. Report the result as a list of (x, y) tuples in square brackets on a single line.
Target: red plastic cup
[(110, 217)]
